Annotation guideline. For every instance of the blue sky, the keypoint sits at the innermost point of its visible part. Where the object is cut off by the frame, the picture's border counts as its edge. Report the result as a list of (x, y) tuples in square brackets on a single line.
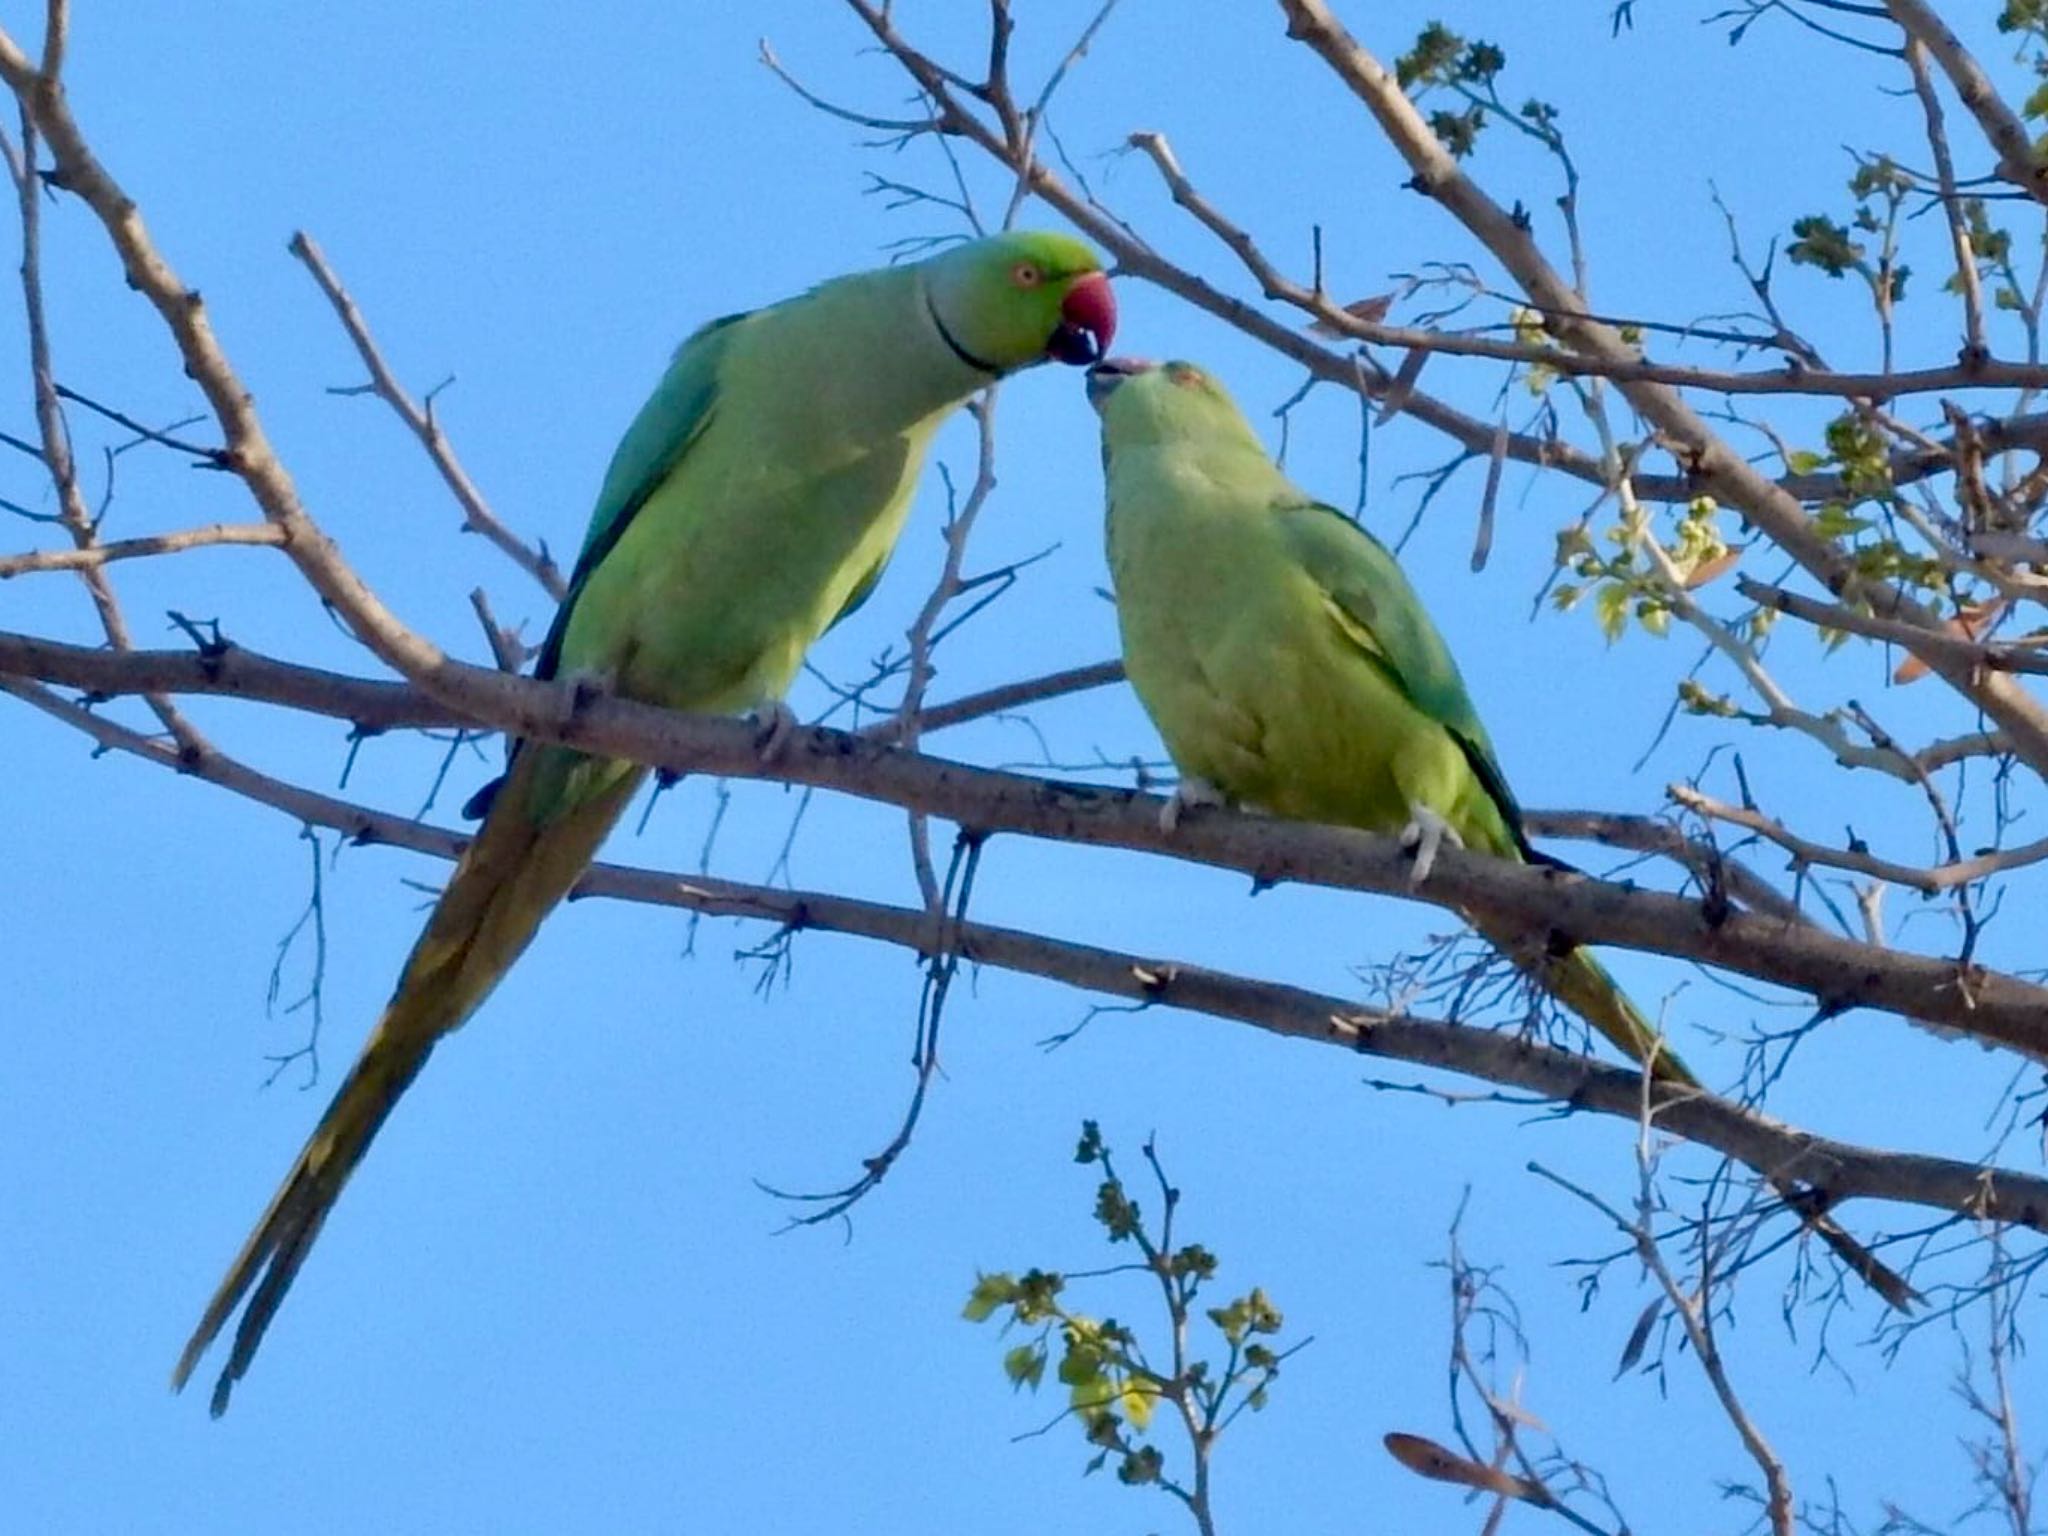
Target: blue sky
[(554, 1296)]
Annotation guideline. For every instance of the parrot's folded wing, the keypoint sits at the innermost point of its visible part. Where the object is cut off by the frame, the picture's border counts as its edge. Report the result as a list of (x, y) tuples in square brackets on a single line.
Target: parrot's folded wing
[(1379, 612), (669, 424)]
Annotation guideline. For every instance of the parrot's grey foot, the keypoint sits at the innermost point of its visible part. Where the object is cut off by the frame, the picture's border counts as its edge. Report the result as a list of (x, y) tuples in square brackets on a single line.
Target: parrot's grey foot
[(1190, 794), (1425, 833), (774, 723)]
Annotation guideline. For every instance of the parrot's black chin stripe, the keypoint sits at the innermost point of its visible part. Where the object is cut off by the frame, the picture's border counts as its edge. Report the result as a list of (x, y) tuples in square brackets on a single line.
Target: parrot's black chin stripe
[(954, 347)]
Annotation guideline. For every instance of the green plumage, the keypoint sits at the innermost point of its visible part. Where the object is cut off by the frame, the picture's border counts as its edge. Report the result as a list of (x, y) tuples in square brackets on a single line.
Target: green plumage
[(752, 503), (1283, 654), (1287, 662), (1276, 644)]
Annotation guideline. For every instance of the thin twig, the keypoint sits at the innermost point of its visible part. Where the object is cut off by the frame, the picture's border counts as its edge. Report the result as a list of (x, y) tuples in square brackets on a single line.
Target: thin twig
[(86, 556), (477, 516)]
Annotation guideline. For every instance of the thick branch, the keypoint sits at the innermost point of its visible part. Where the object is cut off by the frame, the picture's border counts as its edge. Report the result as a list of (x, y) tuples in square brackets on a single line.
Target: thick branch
[(247, 450), (1137, 259), (1960, 653), (1795, 378), (373, 706), (1715, 467), (1835, 1171), (2002, 126), (1841, 973)]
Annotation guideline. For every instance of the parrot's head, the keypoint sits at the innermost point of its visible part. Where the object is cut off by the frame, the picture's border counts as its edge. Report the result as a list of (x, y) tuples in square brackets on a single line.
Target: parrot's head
[(1016, 299), (1165, 405)]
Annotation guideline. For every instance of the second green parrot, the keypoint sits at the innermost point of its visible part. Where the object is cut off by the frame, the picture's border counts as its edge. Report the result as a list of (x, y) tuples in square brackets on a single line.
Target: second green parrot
[(1289, 666), (751, 505)]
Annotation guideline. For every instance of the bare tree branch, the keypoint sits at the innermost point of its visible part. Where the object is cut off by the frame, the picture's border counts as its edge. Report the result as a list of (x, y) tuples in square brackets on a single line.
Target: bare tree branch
[(247, 452), (1985, 1004), (2008, 136), (1956, 652), (55, 438), (1002, 699), (1646, 834), (1938, 878), (1834, 1172), (477, 516), (1715, 468), (1797, 377), (87, 556)]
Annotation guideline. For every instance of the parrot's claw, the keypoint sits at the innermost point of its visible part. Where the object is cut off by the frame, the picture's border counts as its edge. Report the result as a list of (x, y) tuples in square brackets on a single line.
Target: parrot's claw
[(1190, 794), (579, 690), (1425, 833), (774, 723)]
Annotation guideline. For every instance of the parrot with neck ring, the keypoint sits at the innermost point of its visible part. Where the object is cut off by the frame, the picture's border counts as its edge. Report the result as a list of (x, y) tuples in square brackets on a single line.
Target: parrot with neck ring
[(751, 505)]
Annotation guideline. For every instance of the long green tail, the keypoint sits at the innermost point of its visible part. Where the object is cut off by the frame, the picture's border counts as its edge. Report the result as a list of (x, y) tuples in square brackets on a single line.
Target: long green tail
[(522, 862), (1577, 979)]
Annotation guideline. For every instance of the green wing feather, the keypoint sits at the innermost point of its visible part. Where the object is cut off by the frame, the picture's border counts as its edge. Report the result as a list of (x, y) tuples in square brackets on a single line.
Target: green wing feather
[(668, 426), (1284, 656), (1393, 630), (752, 502), (863, 589), (672, 422), (715, 556)]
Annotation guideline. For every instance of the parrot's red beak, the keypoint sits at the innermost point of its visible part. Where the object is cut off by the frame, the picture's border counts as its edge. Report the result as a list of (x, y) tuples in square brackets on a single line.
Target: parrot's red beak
[(1087, 322)]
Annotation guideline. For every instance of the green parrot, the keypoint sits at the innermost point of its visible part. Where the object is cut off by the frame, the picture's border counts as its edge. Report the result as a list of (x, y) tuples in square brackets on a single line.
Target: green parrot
[(751, 505), (1290, 667)]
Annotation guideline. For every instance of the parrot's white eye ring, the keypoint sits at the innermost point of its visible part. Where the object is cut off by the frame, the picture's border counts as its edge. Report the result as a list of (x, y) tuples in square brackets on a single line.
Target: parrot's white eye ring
[(1026, 274)]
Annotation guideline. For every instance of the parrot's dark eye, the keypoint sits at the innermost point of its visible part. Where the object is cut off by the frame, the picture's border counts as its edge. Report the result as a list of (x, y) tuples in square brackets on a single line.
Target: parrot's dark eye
[(1185, 376), (1026, 275)]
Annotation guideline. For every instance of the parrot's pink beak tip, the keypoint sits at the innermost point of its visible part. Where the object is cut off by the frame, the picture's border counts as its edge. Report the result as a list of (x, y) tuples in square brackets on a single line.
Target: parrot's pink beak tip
[(1087, 322)]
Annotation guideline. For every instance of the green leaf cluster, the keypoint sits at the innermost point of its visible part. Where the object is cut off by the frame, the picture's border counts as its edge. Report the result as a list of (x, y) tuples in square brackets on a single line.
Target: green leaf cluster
[(1470, 70), (1114, 1385), (1625, 586), (1880, 187)]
